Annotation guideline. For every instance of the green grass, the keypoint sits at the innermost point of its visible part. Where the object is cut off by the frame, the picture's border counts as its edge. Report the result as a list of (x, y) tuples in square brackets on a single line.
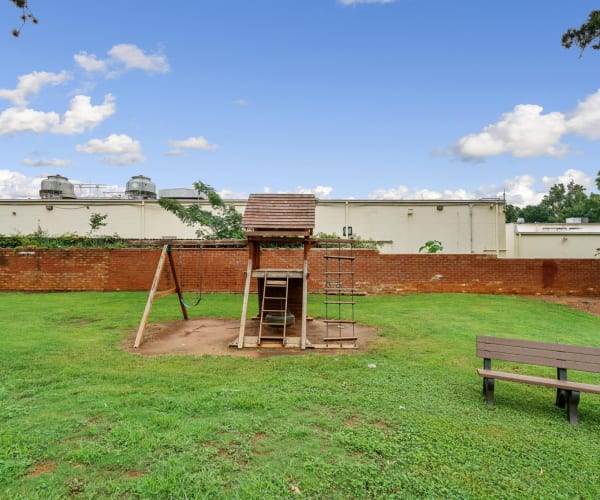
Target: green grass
[(80, 417)]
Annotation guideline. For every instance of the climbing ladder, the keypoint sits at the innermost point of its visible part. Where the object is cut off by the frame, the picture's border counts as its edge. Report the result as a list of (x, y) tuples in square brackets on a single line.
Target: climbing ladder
[(274, 305), (339, 293)]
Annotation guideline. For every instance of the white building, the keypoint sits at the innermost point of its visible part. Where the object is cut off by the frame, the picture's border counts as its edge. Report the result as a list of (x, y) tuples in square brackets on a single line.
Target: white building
[(403, 226), (573, 240)]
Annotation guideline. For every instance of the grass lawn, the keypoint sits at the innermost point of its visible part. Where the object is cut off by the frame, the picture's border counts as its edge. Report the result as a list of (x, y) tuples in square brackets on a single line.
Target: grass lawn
[(79, 417)]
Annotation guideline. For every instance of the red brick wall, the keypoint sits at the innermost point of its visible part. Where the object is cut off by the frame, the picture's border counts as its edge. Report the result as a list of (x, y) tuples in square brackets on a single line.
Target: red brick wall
[(222, 270)]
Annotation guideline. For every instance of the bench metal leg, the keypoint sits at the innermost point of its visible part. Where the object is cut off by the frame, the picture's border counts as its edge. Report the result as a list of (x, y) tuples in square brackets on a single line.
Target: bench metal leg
[(572, 398), (561, 402), (488, 390), (561, 398)]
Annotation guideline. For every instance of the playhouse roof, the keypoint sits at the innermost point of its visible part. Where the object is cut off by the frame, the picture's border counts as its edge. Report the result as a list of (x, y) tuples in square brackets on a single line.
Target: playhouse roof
[(289, 214)]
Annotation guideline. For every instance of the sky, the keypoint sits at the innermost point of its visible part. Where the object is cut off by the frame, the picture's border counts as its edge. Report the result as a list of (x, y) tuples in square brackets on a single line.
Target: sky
[(346, 99)]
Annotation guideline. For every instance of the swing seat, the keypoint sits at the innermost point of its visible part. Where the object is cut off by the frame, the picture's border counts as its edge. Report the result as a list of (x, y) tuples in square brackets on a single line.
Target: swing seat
[(276, 319)]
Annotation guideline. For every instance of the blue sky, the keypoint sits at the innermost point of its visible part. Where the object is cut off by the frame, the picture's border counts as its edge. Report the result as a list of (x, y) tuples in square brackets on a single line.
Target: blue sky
[(407, 99)]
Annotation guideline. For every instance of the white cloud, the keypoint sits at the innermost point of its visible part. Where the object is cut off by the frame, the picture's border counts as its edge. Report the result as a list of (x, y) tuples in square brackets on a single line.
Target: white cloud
[(16, 185), (83, 115), (176, 152), (521, 190), (524, 132), (354, 2), (135, 58), (29, 85), (53, 162), (119, 149), (15, 120), (571, 174), (404, 193), (228, 194), (193, 143), (90, 63), (584, 120), (241, 102), (80, 116), (318, 191)]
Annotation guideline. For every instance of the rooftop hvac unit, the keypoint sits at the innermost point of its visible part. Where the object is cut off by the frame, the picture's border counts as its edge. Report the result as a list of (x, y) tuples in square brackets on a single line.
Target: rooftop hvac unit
[(57, 187), (140, 187)]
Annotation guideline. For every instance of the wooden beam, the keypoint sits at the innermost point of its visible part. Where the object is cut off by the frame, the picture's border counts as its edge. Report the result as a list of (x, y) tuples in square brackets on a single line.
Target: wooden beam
[(151, 295), (304, 303), (245, 305)]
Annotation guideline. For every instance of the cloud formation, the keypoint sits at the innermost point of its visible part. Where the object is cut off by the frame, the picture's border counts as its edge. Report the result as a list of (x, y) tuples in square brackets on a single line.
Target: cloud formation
[(521, 190), (82, 115), (528, 132), (54, 162), (16, 185), (118, 149), (30, 85), (178, 146), (123, 57)]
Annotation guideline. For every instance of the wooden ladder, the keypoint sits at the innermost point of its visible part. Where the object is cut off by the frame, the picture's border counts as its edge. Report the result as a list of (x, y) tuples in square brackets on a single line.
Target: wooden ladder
[(273, 286)]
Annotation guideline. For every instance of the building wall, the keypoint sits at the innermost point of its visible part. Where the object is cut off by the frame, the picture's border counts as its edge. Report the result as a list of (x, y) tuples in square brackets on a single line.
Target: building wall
[(553, 241), (461, 227), (404, 226), (222, 270)]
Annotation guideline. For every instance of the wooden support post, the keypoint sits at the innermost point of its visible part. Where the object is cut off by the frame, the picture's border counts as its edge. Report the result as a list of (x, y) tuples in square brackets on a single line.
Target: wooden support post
[(245, 304), (157, 274), (304, 303)]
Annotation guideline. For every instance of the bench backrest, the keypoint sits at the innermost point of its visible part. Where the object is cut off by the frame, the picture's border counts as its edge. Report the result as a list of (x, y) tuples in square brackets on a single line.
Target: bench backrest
[(539, 353)]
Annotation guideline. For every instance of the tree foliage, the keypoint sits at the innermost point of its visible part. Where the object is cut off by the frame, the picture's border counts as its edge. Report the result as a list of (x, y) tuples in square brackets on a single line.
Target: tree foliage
[(560, 203), (26, 15), (588, 34), (221, 223)]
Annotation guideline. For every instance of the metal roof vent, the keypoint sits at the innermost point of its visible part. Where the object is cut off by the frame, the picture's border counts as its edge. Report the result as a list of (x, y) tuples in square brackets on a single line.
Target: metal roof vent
[(57, 187)]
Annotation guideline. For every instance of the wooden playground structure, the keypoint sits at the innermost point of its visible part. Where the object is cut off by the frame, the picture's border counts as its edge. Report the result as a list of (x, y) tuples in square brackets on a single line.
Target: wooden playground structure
[(282, 220)]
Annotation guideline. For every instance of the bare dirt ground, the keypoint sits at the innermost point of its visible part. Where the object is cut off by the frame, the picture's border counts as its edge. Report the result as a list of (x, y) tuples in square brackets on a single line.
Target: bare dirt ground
[(200, 336), (588, 304)]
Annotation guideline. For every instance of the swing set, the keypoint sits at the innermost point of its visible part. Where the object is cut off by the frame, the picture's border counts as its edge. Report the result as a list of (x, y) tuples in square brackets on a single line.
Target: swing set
[(179, 280)]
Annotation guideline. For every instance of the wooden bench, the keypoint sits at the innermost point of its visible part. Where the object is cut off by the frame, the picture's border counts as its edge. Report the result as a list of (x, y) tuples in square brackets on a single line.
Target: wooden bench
[(560, 356)]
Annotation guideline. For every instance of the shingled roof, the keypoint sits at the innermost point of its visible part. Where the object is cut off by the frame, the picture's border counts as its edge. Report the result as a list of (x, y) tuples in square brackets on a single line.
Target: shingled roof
[(280, 213)]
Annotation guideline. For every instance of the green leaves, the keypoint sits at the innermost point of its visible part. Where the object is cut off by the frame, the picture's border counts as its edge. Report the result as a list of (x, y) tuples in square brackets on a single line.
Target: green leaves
[(431, 246), (585, 35), (221, 223)]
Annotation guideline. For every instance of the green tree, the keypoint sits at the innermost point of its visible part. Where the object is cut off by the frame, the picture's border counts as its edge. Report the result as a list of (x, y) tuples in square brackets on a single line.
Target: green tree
[(564, 201), (511, 213), (588, 34), (221, 223), (97, 221), (534, 213)]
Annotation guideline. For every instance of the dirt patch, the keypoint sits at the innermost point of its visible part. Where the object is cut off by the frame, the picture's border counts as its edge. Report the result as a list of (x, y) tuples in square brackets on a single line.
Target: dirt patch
[(42, 469), (213, 336), (200, 336), (582, 303)]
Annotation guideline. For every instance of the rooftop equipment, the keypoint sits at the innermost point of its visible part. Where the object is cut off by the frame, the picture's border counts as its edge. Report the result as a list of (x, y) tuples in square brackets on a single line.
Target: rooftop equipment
[(57, 187), (140, 187)]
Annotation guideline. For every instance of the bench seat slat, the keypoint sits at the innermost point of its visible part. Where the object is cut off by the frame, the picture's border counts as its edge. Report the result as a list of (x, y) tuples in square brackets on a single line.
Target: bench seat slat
[(502, 341), (539, 353), (556, 353), (537, 359), (547, 382)]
